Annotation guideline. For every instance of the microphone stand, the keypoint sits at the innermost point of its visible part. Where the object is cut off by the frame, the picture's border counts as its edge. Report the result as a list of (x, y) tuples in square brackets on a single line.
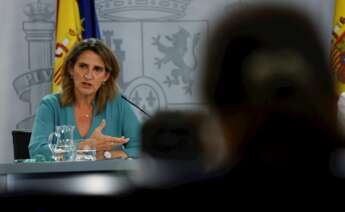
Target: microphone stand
[(136, 106)]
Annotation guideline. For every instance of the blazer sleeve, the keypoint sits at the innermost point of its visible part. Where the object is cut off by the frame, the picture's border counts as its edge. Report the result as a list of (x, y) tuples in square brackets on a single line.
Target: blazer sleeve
[(43, 126), (131, 130)]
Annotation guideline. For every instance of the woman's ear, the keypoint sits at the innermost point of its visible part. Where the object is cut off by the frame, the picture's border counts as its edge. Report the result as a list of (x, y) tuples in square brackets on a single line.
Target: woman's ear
[(70, 71), (107, 75)]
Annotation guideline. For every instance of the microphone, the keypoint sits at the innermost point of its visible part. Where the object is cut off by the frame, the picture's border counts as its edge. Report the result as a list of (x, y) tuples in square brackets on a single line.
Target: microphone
[(132, 103)]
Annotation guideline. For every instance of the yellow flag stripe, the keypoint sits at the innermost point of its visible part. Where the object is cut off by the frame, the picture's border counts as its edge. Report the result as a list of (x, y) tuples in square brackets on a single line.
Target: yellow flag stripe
[(338, 45), (68, 33)]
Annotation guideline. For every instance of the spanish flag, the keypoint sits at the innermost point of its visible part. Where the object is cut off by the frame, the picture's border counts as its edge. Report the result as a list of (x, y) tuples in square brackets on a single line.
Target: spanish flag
[(75, 20), (338, 45)]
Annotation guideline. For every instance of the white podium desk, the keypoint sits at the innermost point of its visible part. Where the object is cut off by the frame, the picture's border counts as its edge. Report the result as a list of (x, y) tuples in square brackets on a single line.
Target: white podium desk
[(83, 177)]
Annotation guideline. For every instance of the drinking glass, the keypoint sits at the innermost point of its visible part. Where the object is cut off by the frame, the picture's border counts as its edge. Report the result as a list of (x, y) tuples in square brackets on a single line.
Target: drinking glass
[(85, 152)]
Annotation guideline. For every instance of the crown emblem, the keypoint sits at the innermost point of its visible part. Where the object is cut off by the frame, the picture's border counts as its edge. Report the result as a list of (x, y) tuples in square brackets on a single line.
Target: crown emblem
[(39, 11), (141, 9)]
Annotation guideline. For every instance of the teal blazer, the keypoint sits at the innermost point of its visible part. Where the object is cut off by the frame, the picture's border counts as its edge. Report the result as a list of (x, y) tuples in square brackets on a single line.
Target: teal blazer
[(118, 114)]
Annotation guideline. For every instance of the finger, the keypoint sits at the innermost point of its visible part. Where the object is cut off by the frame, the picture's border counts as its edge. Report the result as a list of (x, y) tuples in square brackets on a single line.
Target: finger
[(101, 125), (119, 154), (116, 140), (121, 140), (109, 147), (105, 146)]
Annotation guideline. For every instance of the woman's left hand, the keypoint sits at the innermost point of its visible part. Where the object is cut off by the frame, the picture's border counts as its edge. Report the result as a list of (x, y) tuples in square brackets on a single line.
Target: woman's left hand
[(105, 142)]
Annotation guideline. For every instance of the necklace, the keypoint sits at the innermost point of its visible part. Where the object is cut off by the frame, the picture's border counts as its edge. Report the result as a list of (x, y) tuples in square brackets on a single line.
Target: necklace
[(87, 114)]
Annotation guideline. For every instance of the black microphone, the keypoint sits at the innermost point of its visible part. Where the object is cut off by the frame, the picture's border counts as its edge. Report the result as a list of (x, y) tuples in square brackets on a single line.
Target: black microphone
[(132, 103)]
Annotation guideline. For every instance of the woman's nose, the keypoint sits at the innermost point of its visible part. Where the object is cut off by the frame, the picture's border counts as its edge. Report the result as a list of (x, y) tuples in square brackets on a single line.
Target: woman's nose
[(88, 75)]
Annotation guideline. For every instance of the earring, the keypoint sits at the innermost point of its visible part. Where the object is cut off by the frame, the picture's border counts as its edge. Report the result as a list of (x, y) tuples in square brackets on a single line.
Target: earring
[(103, 83)]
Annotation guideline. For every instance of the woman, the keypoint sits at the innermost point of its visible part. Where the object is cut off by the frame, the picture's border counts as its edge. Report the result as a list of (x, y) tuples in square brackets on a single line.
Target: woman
[(90, 101)]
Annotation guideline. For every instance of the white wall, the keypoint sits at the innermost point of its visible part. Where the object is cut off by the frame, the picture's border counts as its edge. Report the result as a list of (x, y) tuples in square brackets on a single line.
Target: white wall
[(27, 43)]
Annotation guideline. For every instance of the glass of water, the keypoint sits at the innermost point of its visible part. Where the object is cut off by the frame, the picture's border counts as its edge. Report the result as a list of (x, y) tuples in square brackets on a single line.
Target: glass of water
[(64, 153), (85, 150)]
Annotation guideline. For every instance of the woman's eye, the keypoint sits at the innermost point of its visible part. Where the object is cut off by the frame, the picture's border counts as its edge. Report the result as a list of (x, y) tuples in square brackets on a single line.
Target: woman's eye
[(99, 69), (82, 65)]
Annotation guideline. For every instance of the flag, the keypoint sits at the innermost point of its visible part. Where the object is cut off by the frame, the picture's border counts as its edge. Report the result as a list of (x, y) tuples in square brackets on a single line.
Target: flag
[(338, 45), (75, 20), (68, 33), (89, 19)]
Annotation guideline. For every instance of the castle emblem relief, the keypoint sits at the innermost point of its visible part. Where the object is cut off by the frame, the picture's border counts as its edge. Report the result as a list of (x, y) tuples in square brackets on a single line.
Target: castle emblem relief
[(32, 85), (156, 10)]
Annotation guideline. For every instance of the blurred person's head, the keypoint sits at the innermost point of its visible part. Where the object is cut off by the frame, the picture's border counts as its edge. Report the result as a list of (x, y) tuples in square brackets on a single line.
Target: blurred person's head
[(179, 145), (76, 78), (267, 78), (173, 135)]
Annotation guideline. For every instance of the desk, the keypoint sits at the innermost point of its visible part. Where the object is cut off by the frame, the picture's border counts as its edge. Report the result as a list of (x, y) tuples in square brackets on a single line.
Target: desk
[(83, 177)]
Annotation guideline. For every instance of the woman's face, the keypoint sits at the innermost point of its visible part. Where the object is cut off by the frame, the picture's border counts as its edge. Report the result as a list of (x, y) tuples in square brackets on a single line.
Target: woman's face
[(88, 73)]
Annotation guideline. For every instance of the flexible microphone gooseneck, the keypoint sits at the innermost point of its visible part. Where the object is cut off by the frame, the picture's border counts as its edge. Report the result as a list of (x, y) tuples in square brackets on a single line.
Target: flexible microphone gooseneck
[(132, 103)]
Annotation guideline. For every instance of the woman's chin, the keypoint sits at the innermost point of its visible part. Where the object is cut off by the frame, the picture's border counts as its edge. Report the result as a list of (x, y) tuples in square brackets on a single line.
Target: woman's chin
[(87, 92)]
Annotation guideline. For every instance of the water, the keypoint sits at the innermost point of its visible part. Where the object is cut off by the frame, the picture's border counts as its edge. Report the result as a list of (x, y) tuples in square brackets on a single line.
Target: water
[(64, 153), (86, 155)]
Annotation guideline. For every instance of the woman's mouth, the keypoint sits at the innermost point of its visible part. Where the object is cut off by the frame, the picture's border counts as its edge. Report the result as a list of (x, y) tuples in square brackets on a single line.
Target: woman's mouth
[(86, 84)]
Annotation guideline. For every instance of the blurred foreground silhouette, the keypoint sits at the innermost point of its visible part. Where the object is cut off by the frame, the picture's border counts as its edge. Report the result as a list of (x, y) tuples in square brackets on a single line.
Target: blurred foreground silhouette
[(267, 81)]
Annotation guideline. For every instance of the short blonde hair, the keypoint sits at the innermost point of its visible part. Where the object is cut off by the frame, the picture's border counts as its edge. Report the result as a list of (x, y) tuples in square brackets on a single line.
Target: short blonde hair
[(108, 90)]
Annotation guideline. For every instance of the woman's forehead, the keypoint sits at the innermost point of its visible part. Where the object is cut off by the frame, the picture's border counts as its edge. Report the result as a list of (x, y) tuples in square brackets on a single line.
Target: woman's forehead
[(90, 57)]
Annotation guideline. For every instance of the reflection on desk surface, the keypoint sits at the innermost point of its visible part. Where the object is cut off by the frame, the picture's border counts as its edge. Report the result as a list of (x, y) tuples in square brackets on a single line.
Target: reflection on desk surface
[(69, 166), (102, 177)]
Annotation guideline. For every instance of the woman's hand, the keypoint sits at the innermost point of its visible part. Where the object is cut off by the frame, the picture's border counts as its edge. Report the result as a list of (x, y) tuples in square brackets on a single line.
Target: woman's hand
[(114, 154), (106, 143)]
